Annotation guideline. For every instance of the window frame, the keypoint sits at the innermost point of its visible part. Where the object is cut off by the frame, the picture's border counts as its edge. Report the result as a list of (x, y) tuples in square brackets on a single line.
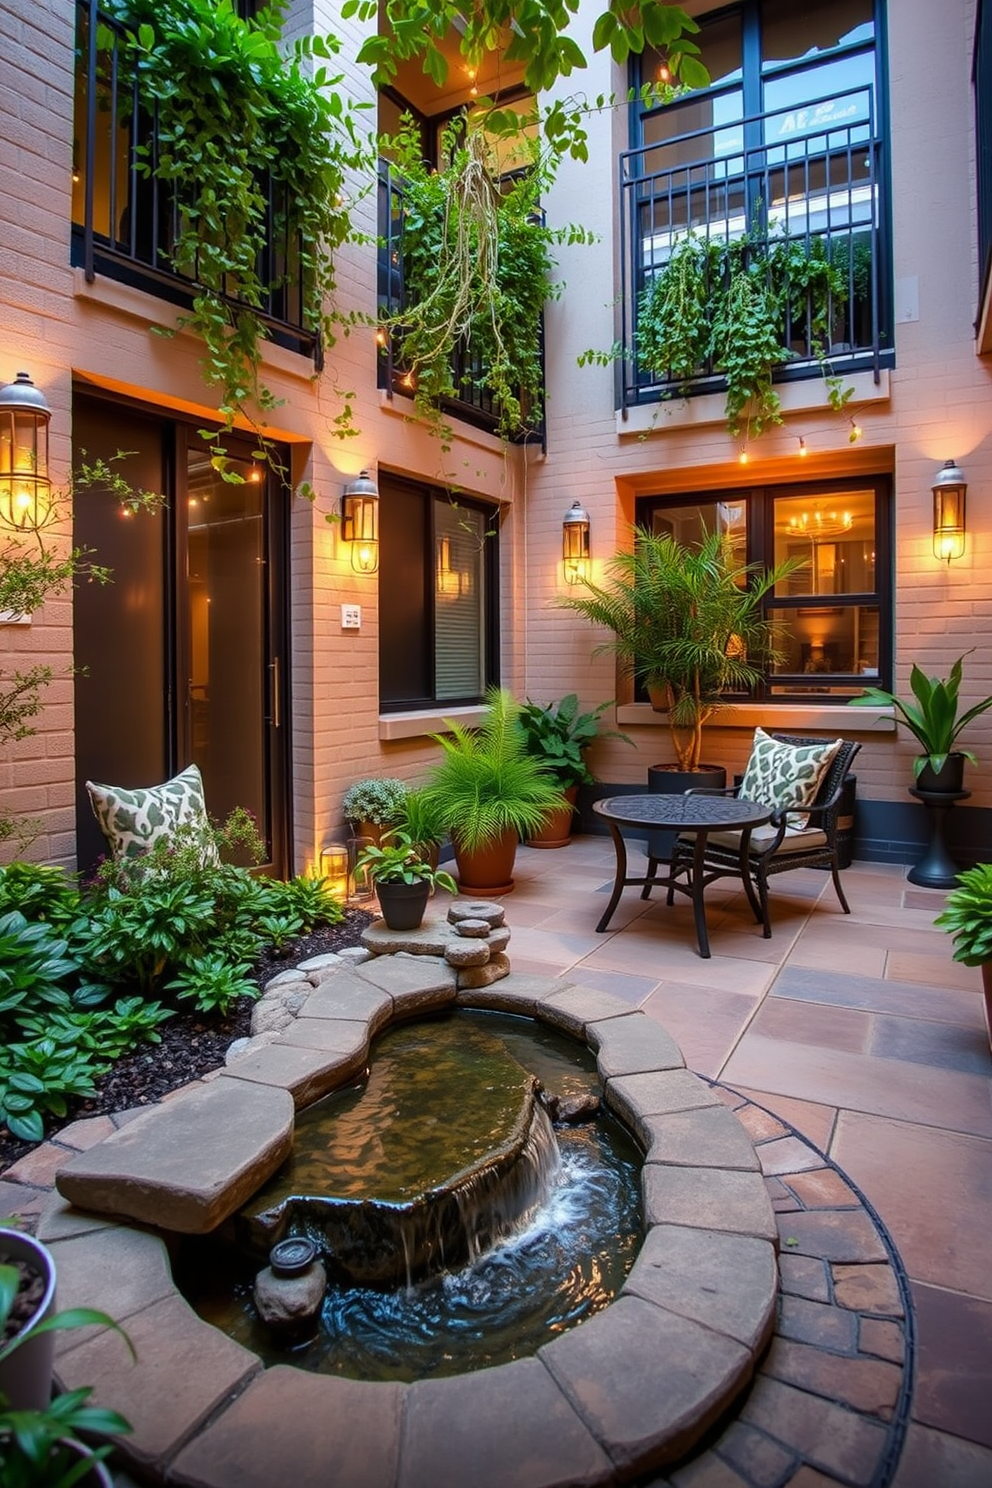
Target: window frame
[(760, 503), (490, 569)]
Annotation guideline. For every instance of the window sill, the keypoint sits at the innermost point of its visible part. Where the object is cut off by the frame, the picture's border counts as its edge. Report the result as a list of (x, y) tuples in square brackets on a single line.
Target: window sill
[(418, 725), (805, 396), (787, 716)]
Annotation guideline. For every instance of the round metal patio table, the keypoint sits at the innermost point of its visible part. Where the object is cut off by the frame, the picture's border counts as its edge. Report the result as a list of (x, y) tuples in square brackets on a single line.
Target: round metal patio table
[(700, 814)]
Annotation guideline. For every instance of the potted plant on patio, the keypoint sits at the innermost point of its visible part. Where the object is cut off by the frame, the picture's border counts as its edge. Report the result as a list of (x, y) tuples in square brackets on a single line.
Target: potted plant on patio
[(967, 916), (933, 720), (559, 736), (688, 622), (37, 1433), (488, 792), (374, 805), (402, 879)]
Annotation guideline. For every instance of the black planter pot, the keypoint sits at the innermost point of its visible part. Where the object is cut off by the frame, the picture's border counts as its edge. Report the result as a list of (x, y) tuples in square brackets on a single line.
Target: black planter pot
[(669, 780), (950, 776), (403, 905)]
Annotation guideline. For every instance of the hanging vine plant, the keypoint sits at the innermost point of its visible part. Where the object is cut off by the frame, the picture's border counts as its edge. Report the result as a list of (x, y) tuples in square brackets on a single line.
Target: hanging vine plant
[(724, 307), (477, 272), (254, 144)]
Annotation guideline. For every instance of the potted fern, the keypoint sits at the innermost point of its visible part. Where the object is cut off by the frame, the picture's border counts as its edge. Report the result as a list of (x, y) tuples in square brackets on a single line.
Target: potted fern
[(967, 916), (488, 792)]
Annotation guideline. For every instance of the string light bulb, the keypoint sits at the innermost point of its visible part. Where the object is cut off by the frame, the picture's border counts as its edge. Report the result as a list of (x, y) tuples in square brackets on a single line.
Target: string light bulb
[(856, 431), (743, 455), (803, 451)]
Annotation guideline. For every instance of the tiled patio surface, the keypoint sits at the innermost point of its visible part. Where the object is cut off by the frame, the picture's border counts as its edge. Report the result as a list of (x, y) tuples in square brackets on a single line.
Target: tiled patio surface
[(859, 1030)]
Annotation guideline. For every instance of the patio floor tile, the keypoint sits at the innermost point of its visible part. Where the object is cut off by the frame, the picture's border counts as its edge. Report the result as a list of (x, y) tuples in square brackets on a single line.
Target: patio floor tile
[(931, 1458), (938, 970), (816, 1122), (939, 1220), (705, 1022), (943, 1045), (954, 1382), (879, 1087), (814, 1023), (878, 995)]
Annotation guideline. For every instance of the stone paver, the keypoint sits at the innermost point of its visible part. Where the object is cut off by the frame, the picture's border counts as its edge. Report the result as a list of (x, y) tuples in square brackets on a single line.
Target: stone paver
[(117, 1270), (187, 1164), (497, 1428), (834, 1234), (650, 1414), (345, 995), (867, 1289), (868, 1385), (727, 1282), (301, 1430), (708, 1198), (306, 1074), (705, 1138), (833, 1439), (575, 1007), (417, 984), (183, 1371), (632, 1045), (635, 1097)]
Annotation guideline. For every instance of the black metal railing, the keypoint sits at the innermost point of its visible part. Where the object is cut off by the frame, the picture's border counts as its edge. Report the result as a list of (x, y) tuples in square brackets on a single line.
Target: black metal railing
[(125, 221), (474, 402), (982, 78), (809, 176)]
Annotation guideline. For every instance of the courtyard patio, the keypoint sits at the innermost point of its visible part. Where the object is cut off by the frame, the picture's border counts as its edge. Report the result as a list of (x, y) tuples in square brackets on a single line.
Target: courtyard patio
[(862, 1035), (859, 1031)]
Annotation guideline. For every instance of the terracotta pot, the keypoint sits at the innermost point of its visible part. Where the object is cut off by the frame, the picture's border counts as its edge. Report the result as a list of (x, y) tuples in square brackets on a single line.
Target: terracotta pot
[(987, 984), (26, 1376), (487, 870), (403, 904), (557, 830), (371, 831), (950, 776)]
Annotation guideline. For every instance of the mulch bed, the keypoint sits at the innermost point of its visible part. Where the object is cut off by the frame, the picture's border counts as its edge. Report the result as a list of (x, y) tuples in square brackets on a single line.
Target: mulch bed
[(191, 1045)]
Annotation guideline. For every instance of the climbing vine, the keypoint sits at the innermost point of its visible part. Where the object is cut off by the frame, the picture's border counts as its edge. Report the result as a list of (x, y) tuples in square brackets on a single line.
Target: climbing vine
[(254, 142)]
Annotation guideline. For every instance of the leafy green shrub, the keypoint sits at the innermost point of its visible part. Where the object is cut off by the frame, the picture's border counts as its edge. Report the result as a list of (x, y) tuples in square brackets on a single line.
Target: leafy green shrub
[(967, 915), (39, 893), (309, 899), (33, 964), (135, 936), (213, 983)]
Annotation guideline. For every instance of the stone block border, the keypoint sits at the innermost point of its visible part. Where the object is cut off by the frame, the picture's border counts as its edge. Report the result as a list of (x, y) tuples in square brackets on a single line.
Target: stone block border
[(630, 1392)]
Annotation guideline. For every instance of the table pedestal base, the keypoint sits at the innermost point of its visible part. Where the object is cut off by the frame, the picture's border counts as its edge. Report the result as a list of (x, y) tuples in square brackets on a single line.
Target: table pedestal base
[(936, 869)]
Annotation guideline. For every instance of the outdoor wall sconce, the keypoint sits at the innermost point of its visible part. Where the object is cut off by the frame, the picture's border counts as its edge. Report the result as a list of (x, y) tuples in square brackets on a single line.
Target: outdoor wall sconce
[(575, 544), (949, 491), (25, 490), (360, 522), (334, 868)]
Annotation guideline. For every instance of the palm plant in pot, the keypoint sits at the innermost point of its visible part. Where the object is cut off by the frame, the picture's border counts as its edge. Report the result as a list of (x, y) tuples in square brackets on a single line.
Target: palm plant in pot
[(689, 623), (933, 720), (559, 736), (403, 880), (967, 916), (38, 1448), (489, 792)]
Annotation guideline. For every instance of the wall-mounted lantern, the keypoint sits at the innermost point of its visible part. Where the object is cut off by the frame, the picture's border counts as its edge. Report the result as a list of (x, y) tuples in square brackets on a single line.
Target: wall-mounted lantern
[(360, 522), (575, 544), (25, 489), (949, 491)]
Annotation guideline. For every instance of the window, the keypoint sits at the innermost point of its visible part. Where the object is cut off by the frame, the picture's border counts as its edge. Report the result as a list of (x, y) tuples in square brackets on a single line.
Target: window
[(438, 591), (832, 612)]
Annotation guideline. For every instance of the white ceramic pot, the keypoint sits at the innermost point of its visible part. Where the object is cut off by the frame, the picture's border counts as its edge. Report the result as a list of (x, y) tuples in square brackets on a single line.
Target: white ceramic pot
[(26, 1375)]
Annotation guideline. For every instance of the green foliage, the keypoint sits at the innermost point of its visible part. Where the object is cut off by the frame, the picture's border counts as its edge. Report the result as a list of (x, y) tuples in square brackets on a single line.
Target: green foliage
[(486, 783), (725, 305), (307, 900), (135, 937), (535, 34), (236, 106), (40, 893), (422, 821), (477, 265), (967, 915), (377, 799), (933, 718), (33, 964), (32, 1442), (213, 983), (398, 861), (559, 736), (687, 620)]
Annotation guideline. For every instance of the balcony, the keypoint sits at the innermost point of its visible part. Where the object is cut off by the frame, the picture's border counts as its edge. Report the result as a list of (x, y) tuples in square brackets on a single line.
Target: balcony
[(125, 221), (807, 179), (474, 403)]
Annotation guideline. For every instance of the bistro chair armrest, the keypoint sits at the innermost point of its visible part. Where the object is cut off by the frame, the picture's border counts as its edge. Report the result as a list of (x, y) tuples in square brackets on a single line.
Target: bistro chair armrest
[(711, 790)]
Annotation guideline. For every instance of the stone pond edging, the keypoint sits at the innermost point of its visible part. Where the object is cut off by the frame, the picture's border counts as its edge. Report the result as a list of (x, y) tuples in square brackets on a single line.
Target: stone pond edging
[(627, 1392)]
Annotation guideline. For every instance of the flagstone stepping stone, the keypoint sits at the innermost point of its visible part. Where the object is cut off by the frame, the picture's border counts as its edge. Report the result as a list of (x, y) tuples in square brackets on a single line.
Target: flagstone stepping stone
[(187, 1164)]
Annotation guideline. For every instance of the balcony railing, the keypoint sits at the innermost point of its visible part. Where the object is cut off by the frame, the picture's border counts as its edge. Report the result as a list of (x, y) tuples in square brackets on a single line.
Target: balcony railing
[(809, 176), (474, 402), (124, 220)]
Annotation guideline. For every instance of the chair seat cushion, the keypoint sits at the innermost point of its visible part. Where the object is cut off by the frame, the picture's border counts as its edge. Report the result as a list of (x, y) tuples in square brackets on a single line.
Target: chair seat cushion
[(796, 839), (134, 820), (786, 775)]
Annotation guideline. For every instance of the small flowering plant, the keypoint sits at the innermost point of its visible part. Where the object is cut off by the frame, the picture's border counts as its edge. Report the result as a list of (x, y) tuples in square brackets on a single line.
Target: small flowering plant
[(378, 800)]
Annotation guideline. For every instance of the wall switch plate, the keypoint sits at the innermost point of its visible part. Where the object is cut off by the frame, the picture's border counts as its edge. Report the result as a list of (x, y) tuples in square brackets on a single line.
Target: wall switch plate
[(351, 617)]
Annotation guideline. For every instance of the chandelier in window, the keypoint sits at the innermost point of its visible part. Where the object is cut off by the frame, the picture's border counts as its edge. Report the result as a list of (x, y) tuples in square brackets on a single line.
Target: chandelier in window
[(821, 526)]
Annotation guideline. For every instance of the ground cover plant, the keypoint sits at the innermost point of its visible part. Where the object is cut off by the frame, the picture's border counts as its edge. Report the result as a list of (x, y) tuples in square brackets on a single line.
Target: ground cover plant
[(91, 972)]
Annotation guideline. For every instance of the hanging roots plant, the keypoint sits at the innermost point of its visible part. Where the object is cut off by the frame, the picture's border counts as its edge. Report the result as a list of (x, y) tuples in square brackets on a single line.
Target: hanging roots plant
[(477, 267)]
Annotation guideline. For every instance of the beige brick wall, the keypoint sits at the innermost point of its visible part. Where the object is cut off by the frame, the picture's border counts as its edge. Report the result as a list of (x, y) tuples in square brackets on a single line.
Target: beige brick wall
[(938, 405)]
